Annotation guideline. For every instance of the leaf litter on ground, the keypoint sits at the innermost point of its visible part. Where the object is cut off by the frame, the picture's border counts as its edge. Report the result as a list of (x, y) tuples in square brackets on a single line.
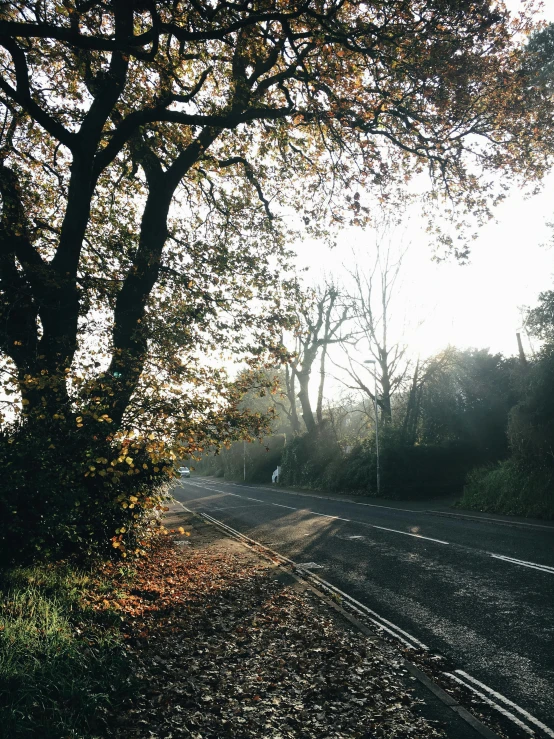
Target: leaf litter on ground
[(223, 646)]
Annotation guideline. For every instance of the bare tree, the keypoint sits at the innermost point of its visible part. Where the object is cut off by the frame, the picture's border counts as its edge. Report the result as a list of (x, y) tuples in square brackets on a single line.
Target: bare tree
[(320, 322), (371, 305)]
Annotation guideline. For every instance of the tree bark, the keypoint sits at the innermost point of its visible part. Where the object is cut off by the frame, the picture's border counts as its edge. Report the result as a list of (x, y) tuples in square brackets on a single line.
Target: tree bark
[(319, 408)]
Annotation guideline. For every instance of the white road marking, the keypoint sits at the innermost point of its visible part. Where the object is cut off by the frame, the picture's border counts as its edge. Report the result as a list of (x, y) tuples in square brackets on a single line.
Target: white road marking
[(508, 702), (390, 628), (324, 515), (504, 558), (502, 522), (395, 631), (462, 515), (232, 507), (406, 533), (494, 704), (523, 563)]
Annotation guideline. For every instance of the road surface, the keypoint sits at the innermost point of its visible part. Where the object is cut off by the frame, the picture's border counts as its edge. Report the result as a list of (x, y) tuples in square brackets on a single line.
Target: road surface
[(480, 593)]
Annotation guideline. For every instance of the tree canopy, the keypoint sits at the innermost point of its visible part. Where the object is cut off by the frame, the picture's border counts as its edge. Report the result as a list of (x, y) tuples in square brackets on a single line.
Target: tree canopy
[(155, 156)]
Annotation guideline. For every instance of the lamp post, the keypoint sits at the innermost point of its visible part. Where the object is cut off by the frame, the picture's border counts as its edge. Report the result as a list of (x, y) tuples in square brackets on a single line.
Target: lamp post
[(374, 363), (244, 460)]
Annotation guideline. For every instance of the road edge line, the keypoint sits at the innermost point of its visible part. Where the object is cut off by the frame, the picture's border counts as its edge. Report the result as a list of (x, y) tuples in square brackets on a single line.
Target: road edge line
[(420, 676)]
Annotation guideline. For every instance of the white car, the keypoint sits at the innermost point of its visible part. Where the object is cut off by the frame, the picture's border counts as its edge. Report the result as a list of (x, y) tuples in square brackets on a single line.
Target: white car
[(184, 471)]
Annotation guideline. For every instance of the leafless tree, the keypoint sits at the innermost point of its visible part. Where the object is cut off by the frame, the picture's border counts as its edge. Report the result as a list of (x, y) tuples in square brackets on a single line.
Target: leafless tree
[(375, 335), (321, 320)]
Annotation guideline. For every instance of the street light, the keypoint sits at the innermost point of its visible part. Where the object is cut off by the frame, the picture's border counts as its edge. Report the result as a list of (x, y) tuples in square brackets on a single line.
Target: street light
[(374, 363)]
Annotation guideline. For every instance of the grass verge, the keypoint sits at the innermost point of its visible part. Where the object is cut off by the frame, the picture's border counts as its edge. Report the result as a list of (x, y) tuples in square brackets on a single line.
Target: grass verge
[(62, 663), (511, 489)]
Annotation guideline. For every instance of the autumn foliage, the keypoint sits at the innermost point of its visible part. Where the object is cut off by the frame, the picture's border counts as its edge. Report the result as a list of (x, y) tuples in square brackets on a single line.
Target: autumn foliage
[(152, 157)]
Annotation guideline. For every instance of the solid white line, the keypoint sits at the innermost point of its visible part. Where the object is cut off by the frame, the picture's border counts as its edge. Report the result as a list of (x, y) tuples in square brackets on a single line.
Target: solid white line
[(523, 563), (331, 589), (394, 630), (279, 505), (508, 702), (503, 522), (369, 610), (496, 706), (406, 533)]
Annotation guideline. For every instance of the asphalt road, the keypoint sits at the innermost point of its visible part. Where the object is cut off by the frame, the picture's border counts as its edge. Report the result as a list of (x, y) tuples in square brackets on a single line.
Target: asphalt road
[(477, 592)]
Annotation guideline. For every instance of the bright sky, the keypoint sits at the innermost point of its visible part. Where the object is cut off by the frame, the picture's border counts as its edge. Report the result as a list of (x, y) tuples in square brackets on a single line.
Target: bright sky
[(476, 305)]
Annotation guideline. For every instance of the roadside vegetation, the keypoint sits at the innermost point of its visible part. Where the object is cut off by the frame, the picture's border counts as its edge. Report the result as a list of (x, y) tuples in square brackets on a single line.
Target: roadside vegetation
[(145, 204), (63, 667), (469, 425)]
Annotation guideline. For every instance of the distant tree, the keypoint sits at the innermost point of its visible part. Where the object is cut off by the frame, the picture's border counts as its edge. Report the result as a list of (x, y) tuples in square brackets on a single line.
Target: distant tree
[(226, 109), (540, 320), (538, 59), (468, 399), (320, 322), (531, 427), (375, 334)]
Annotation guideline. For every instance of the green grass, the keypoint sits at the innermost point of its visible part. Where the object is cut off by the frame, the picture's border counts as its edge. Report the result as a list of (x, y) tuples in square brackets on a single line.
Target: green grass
[(61, 669), (511, 489)]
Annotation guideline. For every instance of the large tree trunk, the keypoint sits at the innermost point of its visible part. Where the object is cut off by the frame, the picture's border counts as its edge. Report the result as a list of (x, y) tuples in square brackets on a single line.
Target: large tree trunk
[(384, 401), (304, 397), (319, 408), (290, 378)]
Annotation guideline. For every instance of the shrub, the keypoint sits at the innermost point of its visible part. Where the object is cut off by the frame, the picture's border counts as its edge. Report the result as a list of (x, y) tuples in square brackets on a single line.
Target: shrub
[(58, 497), (405, 471), (306, 459), (511, 487)]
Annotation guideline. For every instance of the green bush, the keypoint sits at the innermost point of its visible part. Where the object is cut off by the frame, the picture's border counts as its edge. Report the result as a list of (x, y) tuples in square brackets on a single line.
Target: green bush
[(531, 423), (64, 492), (511, 487), (306, 460), (406, 472)]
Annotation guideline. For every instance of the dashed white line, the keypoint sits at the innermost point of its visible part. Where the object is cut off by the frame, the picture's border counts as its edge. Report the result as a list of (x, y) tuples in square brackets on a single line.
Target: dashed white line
[(324, 515), (504, 558), (406, 533)]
